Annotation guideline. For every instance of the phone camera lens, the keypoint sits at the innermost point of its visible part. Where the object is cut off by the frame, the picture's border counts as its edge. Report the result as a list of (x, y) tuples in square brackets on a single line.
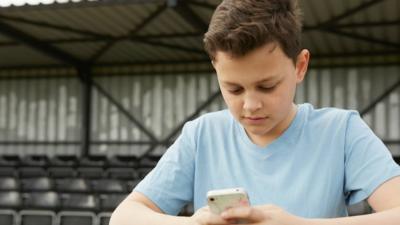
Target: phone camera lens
[(212, 199)]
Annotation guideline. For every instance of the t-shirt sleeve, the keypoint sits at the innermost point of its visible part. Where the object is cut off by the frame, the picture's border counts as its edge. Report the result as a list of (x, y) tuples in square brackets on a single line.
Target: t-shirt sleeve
[(170, 184), (368, 163)]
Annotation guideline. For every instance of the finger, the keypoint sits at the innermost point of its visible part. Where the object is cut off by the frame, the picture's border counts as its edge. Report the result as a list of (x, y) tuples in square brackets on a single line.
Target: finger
[(216, 220), (247, 213)]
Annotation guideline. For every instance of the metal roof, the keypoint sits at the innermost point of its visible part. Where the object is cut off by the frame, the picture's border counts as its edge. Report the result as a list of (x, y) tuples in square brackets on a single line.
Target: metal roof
[(110, 34)]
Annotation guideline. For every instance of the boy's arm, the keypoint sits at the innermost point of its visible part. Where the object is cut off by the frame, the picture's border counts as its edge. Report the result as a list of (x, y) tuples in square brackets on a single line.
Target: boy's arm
[(385, 201), (137, 209)]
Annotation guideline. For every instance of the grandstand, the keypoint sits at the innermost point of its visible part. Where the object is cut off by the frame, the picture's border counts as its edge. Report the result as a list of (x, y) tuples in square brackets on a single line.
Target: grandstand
[(93, 92)]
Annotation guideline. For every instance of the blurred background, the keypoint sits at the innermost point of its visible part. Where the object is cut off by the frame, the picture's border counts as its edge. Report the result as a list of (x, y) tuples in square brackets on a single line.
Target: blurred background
[(93, 92)]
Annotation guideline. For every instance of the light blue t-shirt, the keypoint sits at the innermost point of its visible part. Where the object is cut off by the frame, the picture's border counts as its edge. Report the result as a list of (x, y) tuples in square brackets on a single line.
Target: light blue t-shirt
[(325, 160)]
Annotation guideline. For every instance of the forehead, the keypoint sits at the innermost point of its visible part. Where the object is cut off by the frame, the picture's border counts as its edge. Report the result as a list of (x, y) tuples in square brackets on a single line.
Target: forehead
[(266, 62)]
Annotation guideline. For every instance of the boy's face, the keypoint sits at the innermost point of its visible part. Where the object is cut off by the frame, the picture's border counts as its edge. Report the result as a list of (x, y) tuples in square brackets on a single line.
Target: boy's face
[(259, 89)]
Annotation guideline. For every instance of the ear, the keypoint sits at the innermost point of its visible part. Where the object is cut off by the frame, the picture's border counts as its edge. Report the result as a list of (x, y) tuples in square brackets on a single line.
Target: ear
[(302, 64)]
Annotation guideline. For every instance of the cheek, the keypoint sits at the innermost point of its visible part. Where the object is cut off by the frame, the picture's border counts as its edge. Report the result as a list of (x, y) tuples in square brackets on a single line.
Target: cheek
[(233, 102)]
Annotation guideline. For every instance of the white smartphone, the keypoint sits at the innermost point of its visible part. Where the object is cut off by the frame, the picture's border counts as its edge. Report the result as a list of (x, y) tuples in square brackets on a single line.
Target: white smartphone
[(223, 199)]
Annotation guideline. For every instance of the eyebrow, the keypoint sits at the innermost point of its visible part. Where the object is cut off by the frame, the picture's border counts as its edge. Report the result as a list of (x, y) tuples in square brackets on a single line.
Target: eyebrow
[(258, 82)]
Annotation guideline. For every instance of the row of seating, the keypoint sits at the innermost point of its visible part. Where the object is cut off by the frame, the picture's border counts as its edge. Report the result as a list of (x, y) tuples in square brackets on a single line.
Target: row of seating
[(44, 217), (55, 201), (75, 161), (84, 172), (40, 184)]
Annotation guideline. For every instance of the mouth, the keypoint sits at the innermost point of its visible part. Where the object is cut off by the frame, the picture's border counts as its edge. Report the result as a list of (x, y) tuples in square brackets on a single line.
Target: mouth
[(254, 119)]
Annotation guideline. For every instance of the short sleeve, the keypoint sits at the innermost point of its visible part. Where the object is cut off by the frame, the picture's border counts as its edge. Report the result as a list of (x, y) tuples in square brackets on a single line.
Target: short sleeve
[(368, 163), (170, 184)]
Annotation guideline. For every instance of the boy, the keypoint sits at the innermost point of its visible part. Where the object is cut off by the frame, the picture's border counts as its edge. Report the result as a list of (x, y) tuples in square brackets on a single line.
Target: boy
[(299, 165)]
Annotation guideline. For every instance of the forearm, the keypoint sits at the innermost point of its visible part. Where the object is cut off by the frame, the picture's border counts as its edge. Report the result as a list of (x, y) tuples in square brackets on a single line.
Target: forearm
[(387, 217), (134, 213)]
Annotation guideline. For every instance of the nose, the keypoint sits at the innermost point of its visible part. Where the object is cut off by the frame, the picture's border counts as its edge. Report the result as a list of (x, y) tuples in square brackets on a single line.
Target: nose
[(252, 103)]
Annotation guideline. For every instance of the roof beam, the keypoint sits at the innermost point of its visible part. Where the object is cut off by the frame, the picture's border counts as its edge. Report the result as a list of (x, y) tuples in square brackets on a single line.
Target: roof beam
[(364, 5), (38, 45), (145, 22), (53, 26), (182, 8), (363, 38), (203, 4), (357, 25)]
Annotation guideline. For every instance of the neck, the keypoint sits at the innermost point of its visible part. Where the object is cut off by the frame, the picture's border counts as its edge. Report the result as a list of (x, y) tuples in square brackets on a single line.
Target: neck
[(264, 141)]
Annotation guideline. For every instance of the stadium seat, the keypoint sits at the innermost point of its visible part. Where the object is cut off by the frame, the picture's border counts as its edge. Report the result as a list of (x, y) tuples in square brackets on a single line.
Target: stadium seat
[(72, 185), (131, 184), (149, 161), (122, 161), (34, 160), (10, 200), (81, 202), (108, 186), (61, 172), (42, 200), (37, 184), (37, 217), (32, 171), (9, 161), (108, 202), (63, 161), (143, 171), (76, 218), (104, 218), (122, 173), (8, 171), (93, 161), (8, 217), (91, 172), (9, 184)]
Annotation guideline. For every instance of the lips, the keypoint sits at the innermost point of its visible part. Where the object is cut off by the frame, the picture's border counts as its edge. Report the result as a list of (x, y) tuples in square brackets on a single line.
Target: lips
[(254, 119)]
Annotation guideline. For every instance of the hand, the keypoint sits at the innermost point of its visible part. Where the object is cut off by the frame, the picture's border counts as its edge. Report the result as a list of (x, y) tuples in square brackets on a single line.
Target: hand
[(204, 216), (262, 215)]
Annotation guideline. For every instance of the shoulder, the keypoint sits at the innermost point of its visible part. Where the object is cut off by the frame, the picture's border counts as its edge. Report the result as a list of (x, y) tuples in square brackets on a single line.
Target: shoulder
[(328, 114)]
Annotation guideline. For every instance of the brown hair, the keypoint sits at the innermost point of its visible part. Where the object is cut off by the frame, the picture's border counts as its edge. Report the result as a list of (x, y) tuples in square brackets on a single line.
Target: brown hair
[(240, 26)]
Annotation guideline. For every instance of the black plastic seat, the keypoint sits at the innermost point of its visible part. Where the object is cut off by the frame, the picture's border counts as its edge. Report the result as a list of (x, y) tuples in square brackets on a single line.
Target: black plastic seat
[(34, 161), (34, 217), (9, 161), (64, 161), (72, 185), (8, 171), (81, 202), (8, 217), (10, 200), (149, 161), (9, 184), (93, 161), (131, 184), (104, 218), (108, 202), (37, 184), (76, 218), (32, 171), (108, 186), (122, 173), (123, 161), (42, 200), (62, 172), (91, 172), (143, 171)]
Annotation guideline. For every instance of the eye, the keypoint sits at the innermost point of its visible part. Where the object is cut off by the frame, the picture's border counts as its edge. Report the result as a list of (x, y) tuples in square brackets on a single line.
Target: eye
[(267, 88), (235, 90)]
